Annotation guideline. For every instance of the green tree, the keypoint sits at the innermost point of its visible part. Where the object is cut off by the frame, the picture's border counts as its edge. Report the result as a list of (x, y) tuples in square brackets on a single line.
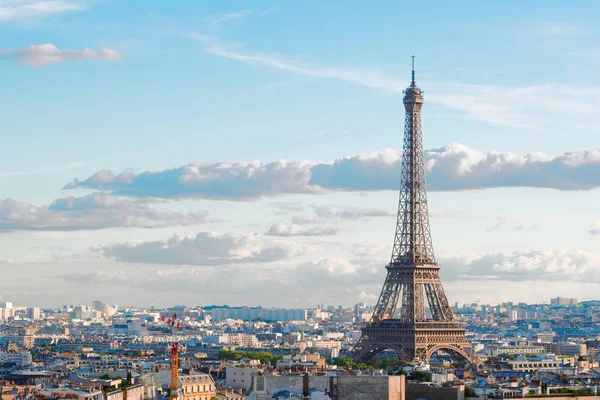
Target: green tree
[(469, 392), (229, 355), (420, 376), (386, 363), (344, 362)]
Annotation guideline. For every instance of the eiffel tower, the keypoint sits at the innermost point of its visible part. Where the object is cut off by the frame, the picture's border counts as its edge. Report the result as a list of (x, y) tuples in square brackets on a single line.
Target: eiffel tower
[(413, 275)]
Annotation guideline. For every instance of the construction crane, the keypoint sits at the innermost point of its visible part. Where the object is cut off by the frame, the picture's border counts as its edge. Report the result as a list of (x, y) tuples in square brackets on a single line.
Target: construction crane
[(174, 323)]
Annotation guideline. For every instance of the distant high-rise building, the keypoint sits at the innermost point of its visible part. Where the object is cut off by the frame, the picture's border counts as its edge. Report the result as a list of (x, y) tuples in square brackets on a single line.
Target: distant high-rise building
[(563, 301), (6, 310), (570, 349), (103, 308), (6, 304), (33, 313)]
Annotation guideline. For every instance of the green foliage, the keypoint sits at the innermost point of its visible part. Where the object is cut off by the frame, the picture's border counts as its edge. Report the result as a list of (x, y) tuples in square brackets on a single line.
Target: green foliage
[(574, 393), (229, 355), (263, 356), (105, 376), (469, 391), (420, 376), (386, 363), (344, 362)]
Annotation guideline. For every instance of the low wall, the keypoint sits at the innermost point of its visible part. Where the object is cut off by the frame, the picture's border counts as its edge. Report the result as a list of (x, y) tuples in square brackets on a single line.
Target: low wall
[(424, 391), (551, 397), (367, 388)]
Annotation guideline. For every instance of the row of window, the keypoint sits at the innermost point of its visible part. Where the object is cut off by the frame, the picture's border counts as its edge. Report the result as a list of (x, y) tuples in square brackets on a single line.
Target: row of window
[(190, 389)]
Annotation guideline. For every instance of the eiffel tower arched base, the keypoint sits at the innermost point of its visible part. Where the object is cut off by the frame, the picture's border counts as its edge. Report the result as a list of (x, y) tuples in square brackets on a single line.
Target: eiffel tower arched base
[(415, 341)]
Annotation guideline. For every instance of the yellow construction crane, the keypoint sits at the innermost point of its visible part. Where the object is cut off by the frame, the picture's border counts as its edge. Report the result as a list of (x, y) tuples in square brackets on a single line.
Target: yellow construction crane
[(174, 323)]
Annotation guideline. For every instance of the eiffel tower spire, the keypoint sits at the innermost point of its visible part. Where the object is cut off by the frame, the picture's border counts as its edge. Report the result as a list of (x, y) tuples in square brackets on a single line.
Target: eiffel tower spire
[(423, 322), (412, 242)]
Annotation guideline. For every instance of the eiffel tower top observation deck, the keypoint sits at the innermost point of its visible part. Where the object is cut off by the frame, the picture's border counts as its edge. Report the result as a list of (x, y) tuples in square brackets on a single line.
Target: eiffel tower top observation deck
[(412, 241)]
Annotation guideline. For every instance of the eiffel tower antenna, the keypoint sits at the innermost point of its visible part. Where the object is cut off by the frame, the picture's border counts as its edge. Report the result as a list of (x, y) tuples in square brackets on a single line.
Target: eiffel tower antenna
[(400, 320), (412, 83)]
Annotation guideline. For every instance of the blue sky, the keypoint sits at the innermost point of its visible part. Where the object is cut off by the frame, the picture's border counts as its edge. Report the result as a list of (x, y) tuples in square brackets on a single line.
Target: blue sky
[(212, 97)]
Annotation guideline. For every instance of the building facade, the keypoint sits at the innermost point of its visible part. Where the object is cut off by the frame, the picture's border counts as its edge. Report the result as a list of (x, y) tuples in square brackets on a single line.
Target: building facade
[(196, 386)]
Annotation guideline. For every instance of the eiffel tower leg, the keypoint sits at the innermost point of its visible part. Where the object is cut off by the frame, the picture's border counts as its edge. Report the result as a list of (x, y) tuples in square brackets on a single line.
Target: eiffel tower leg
[(364, 350)]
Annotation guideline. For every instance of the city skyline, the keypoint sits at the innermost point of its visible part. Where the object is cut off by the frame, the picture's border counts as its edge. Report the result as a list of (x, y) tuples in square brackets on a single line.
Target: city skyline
[(145, 157)]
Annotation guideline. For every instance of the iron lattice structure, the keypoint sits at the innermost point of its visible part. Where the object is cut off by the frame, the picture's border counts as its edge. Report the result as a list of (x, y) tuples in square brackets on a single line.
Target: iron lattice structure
[(413, 275)]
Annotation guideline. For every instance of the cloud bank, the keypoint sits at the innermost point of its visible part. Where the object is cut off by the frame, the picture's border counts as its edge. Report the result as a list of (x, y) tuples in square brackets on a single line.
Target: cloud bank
[(450, 168), (44, 54), (539, 265), (344, 281), (206, 248), (94, 211)]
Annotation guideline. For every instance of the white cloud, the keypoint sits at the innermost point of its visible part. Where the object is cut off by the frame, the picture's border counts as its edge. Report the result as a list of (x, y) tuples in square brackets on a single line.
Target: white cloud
[(216, 22), (17, 9), (359, 77), (541, 265), (206, 248), (44, 54), (526, 107), (281, 229), (450, 168), (93, 211), (521, 275)]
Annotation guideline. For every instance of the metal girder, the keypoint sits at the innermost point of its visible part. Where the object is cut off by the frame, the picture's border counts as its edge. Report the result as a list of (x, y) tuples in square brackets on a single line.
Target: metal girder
[(413, 276)]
